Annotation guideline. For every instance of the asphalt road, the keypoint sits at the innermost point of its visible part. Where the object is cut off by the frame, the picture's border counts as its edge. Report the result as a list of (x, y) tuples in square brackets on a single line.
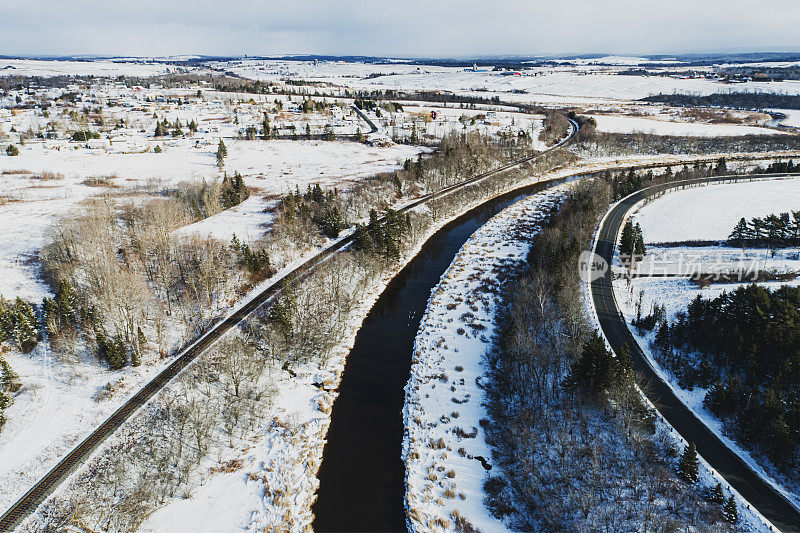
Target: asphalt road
[(759, 493)]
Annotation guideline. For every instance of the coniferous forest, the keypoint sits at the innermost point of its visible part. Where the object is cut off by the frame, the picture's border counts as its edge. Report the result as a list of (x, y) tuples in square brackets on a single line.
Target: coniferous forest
[(749, 339)]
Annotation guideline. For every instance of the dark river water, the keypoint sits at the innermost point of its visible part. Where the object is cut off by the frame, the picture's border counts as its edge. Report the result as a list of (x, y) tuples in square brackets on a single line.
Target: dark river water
[(362, 484)]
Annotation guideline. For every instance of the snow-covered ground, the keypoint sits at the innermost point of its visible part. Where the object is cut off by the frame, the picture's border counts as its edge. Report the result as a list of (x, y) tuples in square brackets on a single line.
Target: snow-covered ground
[(561, 84), (61, 401), (706, 213), (622, 124), (710, 212), (270, 169), (105, 68), (444, 444)]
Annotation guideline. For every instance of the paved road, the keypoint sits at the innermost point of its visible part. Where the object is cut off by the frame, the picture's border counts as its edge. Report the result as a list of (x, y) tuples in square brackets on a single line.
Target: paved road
[(759, 493), (372, 127), (45, 486)]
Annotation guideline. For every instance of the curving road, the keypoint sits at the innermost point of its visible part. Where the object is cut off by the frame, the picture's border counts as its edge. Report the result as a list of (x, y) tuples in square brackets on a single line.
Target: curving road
[(45, 486), (372, 127), (751, 486)]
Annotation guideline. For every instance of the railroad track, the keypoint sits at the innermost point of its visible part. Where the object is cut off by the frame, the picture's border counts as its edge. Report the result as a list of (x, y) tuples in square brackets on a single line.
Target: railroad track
[(78, 455)]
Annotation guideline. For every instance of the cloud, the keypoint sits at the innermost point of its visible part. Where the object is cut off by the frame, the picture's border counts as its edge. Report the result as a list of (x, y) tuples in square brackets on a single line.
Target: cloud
[(409, 28)]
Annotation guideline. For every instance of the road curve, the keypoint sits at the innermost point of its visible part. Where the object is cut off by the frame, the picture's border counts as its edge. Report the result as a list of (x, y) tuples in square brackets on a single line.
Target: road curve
[(763, 496), (78, 455), (372, 127)]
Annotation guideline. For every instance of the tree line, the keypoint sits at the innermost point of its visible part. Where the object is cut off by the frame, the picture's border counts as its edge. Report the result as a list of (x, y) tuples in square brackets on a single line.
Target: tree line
[(567, 426), (735, 100), (773, 231), (743, 345)]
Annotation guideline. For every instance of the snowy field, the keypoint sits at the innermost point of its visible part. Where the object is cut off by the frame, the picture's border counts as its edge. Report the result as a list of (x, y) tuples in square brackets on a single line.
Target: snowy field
[(566, 84), (707, 213), (444, 444), (270, 168), (104, 68), (62, 398), (710, 212), (621, 124)]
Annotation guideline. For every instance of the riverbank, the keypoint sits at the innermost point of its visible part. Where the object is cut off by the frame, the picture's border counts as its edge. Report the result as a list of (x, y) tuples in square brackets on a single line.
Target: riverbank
[(445, 451)]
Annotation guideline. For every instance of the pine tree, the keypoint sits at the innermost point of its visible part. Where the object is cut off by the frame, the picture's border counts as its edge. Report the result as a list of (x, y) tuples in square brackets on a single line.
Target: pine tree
[(624, 363), (729, 510), (756, 229), (715, 495), (638, 247), (222, 152), (739, 234), (9, 380), (688, 469), (627, 241), (721, 167), (24, 327), (595, 369)]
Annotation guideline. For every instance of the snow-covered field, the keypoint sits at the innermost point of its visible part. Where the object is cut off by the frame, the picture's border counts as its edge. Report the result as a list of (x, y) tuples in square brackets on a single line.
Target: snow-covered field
[(61, 399), (563, 84), (444, 445), (102, 68), (270, 168), (706, 213), (621, 124), (710, 212)]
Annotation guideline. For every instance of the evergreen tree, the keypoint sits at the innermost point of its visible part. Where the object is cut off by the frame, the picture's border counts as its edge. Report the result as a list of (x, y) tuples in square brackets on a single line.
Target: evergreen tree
[(282, 311), (627, 241), (721, 167), (9, 380), (756, 230), (729, 510), (18, 323), (688, 469), (265, 126), (715, 495), (595, 370), (222, 153), (12, 150), (638, 247), (112, 351), (739, 234)]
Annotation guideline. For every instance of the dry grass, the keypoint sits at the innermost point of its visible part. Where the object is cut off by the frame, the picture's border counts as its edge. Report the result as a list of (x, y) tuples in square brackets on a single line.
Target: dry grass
[(12, 171), (48, 176), (101, 181)]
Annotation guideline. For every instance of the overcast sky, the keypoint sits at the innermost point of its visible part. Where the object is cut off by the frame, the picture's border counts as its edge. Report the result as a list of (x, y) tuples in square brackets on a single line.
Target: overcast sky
[(405, 28)]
